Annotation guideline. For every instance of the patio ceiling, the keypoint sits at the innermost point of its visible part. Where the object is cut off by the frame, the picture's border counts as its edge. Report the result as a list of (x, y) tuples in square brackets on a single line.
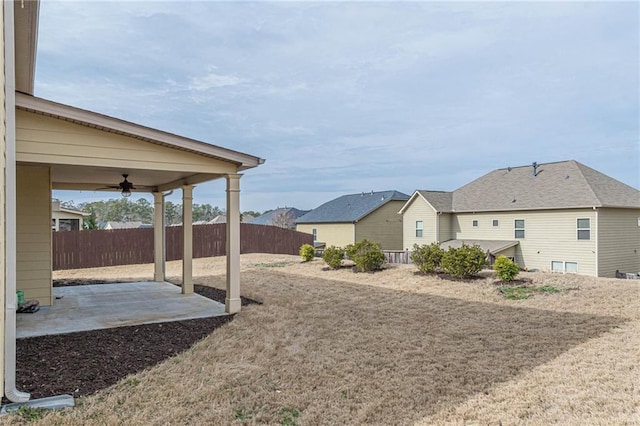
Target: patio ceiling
[(68, 177)]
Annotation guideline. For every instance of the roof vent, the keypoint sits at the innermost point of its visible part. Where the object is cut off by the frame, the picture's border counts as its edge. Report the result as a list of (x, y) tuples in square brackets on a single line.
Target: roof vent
[(509, 168), (535, 168), (372, 192)]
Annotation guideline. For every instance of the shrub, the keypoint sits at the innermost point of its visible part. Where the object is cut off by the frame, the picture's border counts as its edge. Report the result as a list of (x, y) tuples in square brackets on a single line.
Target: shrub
[(427, 258), (506, 269), (463, 262), (333, 256), (367, 255), (307, 252)]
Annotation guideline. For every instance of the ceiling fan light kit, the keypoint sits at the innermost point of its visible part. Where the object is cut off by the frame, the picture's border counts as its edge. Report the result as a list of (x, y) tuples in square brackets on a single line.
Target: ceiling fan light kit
[(126, 186)]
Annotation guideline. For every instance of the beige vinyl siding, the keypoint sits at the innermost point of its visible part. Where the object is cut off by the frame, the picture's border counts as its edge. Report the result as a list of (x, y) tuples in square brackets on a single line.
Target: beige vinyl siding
[(418, 210), (33, 227), (333, 234), (550, 235), (384, 226), (41, 139), (445, 226), (618, 241)]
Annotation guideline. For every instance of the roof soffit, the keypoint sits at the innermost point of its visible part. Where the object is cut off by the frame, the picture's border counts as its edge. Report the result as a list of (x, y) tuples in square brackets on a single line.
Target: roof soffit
[(26, 40)]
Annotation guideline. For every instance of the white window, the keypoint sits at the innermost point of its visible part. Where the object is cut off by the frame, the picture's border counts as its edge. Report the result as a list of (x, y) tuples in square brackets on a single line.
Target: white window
[(495, 222), (475, 223), (564, 267), (557, 266), (314, 231), (584, 229), (419, 228), (519, 228), (571, 267)]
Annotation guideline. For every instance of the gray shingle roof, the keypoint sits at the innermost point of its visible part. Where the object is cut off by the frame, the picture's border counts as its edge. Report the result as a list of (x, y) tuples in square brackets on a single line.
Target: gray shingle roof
[(566, 184), (440, 200), (350, 208), (267, 218)]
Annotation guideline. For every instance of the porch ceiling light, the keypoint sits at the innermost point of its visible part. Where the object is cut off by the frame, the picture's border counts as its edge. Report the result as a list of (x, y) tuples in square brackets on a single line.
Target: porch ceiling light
[(126, 186)]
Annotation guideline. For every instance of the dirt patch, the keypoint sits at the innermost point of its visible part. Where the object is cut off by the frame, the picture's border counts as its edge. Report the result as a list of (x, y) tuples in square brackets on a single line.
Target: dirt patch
[(82, 363)]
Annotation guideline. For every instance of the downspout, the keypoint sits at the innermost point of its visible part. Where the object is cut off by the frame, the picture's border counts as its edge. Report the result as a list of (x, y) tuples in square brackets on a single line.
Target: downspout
[(10, 390), (438, 214), (597, 263)]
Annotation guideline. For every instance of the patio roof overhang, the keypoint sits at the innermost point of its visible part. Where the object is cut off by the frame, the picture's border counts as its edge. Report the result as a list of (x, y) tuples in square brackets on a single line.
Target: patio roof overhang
[(187, 161)]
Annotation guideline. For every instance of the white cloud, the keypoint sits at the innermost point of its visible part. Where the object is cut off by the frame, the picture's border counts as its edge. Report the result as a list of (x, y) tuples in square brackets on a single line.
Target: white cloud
[(213, 81), (338, 96)]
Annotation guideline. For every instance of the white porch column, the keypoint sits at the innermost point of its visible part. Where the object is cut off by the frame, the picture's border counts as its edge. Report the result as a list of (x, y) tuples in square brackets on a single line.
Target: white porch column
[(159, 236), (187, 238), (232, 302)]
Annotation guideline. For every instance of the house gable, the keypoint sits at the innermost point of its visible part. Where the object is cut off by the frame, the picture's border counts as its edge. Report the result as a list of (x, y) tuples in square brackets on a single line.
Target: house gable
[(47, 140)]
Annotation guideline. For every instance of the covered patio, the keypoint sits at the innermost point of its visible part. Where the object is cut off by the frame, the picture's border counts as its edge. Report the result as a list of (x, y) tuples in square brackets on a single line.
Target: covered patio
[(67, 148), (109, 305)]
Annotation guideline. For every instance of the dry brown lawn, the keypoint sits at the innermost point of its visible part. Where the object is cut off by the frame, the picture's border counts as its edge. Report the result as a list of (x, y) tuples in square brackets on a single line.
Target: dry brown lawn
[(393, 347)]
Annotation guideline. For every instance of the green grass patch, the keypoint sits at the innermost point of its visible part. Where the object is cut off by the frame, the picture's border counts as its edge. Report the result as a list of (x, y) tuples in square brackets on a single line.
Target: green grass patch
[(30, 414), (289, 416), (272, 264), (522, 292), (548, 289), (243, 415)]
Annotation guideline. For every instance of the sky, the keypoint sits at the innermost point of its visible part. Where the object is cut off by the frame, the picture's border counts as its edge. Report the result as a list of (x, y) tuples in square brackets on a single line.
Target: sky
[(346, 97)]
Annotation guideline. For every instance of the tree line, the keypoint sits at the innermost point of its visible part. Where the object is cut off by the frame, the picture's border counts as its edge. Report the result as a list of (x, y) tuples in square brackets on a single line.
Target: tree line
[(141, 210)]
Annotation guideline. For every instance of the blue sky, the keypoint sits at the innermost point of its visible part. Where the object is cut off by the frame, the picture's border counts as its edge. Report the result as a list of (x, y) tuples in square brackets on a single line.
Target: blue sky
[(357, 96)]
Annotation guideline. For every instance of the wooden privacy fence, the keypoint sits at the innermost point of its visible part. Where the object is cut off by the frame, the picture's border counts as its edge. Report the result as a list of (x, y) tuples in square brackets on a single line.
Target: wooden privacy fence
[(90, 249)]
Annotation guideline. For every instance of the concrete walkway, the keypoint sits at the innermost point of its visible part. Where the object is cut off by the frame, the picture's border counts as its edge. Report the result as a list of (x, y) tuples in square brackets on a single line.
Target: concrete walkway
[(92, 307)]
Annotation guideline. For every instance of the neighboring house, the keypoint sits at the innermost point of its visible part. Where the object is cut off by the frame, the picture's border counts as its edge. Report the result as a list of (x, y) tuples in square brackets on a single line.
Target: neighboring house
[(562, 216), (284, 217), (221, 218), (247, 218), (47, 146), (64, 219), (351, 218)]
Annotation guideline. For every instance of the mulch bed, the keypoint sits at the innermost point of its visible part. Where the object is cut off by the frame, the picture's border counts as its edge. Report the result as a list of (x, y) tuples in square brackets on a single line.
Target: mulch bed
[(82, 363)]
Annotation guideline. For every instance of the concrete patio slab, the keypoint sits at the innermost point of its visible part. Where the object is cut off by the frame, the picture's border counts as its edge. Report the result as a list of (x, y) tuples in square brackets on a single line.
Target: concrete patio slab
[(92, 307)]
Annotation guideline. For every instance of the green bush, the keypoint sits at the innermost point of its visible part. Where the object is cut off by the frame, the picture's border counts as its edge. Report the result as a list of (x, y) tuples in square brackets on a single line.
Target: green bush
[(506, 269), (463, 262), (367, 255), (307, 252), (333, 256), (427, 258)]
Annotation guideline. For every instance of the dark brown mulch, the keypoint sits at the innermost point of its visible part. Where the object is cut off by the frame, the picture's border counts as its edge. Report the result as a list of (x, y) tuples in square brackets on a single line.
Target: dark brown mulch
[(82, 363)]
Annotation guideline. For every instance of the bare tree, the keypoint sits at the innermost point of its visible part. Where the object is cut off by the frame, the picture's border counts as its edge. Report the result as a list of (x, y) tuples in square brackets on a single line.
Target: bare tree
[(283, 219)]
